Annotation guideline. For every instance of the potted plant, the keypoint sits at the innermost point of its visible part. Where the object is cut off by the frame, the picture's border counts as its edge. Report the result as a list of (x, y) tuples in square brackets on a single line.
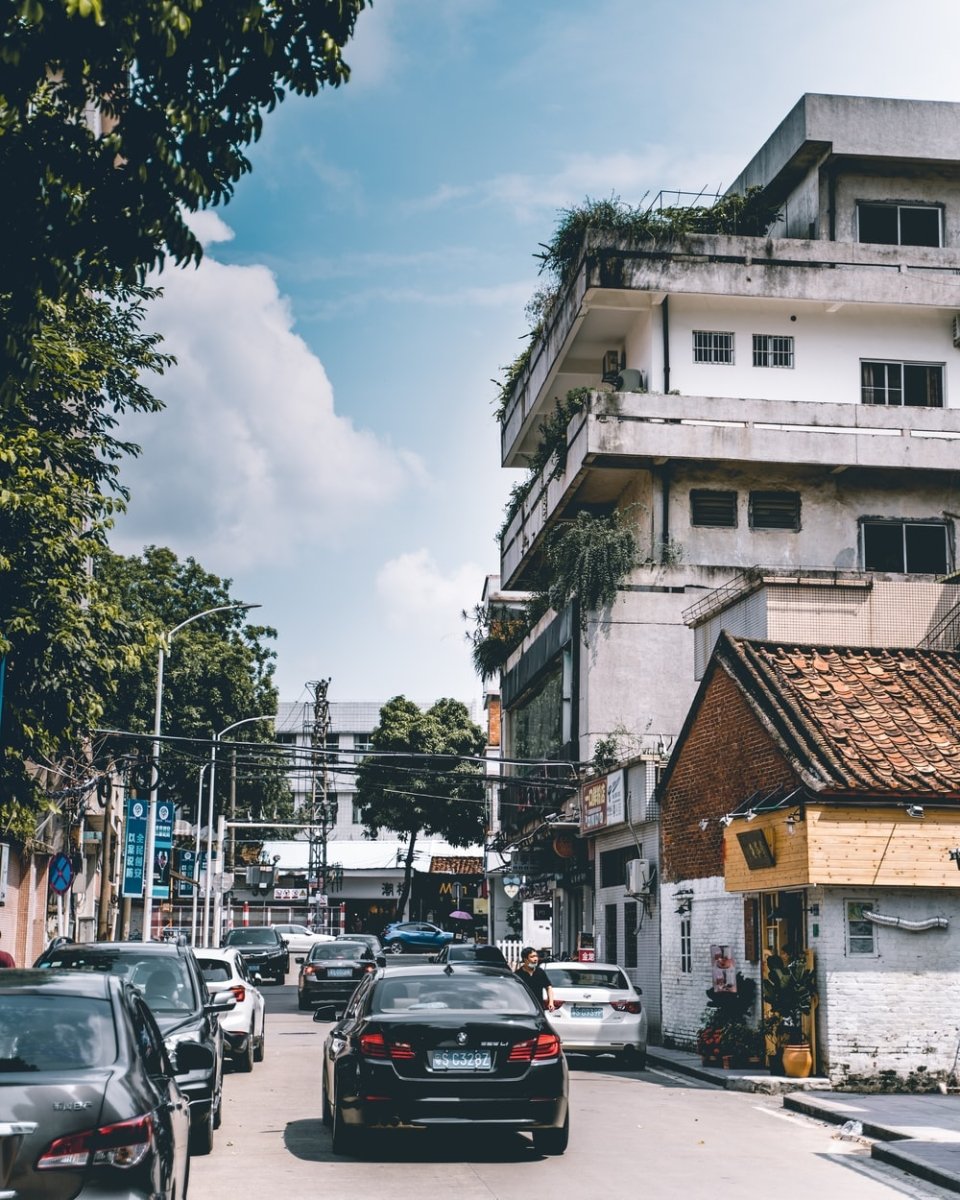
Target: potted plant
[(708, 1042), (725, 1034), (789, 991)]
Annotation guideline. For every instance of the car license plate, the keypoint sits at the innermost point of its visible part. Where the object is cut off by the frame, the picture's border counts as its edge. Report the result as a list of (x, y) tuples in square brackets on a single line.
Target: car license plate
[(585, 1010), (461, 1060), (339, 973)]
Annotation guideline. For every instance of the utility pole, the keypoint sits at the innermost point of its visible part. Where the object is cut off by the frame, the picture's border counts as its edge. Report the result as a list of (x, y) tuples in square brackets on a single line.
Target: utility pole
[(319, 812)]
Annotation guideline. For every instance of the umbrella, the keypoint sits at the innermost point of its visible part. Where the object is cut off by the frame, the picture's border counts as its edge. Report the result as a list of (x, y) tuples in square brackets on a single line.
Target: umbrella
[(459, 915)]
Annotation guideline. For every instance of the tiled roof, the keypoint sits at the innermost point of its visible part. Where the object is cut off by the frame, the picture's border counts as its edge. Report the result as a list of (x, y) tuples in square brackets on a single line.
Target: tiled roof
[(449, 865), (873, 720)]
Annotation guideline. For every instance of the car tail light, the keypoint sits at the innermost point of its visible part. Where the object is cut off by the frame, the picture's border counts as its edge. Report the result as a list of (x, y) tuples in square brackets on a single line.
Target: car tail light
[(627, 1006), (240, 992), (369, 968), (545, 1045), (309, 970), (373, 1045), (402, 1050), (121, 1145)]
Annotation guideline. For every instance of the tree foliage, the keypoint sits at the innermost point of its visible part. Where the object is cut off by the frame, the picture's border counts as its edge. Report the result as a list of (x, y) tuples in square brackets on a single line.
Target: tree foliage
[(421, 777), (62, 634), (118, 117), (589, 557)]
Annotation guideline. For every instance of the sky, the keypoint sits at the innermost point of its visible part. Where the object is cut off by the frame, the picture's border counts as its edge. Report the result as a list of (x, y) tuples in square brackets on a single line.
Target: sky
[(329, 441)]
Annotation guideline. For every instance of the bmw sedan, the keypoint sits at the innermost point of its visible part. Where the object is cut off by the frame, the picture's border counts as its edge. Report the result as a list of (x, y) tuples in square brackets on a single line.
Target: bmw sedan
[(415, 936), (84, 1068), (597, 1010), (432, 1046)]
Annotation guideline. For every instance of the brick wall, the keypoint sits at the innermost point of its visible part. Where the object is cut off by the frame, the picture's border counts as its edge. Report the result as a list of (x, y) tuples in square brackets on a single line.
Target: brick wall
[(726, 755)]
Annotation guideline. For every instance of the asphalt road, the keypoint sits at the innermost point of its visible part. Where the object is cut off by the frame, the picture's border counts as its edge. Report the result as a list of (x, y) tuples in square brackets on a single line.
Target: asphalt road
[(649, 1134)]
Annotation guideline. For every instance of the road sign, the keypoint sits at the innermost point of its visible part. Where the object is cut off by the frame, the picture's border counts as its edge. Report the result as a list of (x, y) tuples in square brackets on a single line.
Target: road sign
[(134, 844), (61, 874), (163, 850)]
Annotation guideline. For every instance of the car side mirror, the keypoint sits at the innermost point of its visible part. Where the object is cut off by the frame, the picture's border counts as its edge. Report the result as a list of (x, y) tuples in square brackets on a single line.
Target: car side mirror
[(380, 960), (300, 960), (326, 1012), (222, 1002), (256, 977), (190, 1056)]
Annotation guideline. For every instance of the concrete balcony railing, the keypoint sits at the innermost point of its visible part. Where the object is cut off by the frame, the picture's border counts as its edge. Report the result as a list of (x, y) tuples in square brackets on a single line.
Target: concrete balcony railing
[(721, 265), (651, 427)]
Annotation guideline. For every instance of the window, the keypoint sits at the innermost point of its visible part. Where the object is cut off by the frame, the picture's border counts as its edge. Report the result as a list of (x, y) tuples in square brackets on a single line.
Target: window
[(775, 510), (613, 865), (630, 931), (899, 224), (710, 347), (918, 385), (610, 932), (860, 931), (771, 350), (332, 747), (715, 509), (686, 945), (906, 547)]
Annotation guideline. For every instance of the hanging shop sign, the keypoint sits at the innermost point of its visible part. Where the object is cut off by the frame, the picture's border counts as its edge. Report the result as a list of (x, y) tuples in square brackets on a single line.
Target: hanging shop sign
[(603, 802), (134, 844), (163, 850)]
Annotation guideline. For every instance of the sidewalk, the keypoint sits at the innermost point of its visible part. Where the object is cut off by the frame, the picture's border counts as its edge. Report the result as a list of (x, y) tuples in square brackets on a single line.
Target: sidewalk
[(918, 1134)]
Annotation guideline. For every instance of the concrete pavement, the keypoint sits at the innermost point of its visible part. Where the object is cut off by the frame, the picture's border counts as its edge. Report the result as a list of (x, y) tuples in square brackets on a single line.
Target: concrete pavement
[(919, 1134)]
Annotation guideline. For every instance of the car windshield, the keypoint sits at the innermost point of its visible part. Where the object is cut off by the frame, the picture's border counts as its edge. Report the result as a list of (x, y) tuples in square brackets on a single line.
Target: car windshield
[(251, 937), (215, 970), (55, 1033), (338, 950), (588, 977), (163, 978), (437, 993)]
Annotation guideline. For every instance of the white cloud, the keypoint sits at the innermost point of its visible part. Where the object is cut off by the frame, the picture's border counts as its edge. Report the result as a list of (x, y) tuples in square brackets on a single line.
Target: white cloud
[(250, 463), (415, 593), (208, 227)]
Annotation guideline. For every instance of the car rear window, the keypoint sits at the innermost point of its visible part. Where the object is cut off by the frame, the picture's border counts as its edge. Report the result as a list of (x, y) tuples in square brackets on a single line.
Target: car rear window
[(588, 977), (55, 1033), (502, 994), (214, 970), (338, 950)]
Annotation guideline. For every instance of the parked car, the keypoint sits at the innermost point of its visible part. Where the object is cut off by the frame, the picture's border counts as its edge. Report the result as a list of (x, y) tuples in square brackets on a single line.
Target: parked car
[(244, 1029), (434, 1046), (598, 1011), (331, 972), (464, 952), (83, 1061), (167, 975), (299, 938), (263, 948), (415, 936), (368, 939)]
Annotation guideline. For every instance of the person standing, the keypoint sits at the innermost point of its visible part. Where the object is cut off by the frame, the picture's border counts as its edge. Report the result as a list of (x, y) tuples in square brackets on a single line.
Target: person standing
[(535, 977), (6, 960)]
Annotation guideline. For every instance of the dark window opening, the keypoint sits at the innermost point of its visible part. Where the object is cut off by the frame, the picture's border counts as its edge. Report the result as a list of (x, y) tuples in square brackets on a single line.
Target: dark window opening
[(610, 933), (717, 510), (905, 547), (775, 510), (917, 385), (630, 931), (899, 224), (613, 865)]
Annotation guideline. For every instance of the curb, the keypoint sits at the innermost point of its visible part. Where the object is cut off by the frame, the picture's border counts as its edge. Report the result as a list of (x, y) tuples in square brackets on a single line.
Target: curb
[(734, 1081), (808, 1108), (898, 1156)]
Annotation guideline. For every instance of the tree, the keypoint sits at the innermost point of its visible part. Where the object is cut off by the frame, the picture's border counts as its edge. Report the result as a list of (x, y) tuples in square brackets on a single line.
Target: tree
[(217, 670), (62, 635), (423, 777), (117, 119)]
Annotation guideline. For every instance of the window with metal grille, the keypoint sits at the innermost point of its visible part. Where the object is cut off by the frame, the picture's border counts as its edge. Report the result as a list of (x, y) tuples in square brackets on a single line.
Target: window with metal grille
[(686, 945), (860, 932), (630, 931), (772, 350), (900, 224), (775, 510), (713, 508), (610, 933), (906, 547), (710, 346), (917, 385)]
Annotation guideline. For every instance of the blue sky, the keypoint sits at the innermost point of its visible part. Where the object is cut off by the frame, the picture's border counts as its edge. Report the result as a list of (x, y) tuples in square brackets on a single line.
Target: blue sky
[(329, 440)]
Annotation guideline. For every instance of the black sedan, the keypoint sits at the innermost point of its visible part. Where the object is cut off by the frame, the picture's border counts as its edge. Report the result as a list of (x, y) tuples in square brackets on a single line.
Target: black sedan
[(84, 1069), (444, 1045), (263, 950), (331, 971)]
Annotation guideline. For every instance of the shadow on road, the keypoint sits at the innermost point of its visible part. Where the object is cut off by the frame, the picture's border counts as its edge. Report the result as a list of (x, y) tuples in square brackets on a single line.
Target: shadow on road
[(310, 1140)]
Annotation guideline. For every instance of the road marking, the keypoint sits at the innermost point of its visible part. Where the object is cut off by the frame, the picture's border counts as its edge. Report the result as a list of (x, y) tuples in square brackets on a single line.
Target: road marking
[(684, 1079)]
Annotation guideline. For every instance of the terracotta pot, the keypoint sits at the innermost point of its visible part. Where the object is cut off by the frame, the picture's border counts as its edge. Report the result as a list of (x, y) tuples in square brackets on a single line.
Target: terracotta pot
[(727, 1061), (797, 1060)]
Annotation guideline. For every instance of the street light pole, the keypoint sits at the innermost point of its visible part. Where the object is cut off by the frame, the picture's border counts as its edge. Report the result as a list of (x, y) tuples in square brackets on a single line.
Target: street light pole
[(208, 881), (151, 843)]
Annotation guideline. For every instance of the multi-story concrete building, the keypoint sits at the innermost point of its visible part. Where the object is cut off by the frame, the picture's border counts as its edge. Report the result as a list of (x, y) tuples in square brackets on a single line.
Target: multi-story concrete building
[(781, 433)]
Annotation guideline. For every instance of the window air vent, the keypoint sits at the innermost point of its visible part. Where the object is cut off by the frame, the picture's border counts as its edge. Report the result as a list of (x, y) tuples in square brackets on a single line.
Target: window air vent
[(775, 510), (713, 508)]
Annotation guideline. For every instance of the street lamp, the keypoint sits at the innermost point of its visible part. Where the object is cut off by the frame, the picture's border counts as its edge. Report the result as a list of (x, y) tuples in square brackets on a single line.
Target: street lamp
[(208, 888), (151, 844)]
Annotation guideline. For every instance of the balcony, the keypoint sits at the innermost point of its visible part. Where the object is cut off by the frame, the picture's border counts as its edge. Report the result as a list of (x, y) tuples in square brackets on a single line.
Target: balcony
[(616, 283), (641, 430)]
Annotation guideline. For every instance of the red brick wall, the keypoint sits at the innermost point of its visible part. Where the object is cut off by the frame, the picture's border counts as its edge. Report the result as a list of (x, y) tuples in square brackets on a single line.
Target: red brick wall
[(727, 755)]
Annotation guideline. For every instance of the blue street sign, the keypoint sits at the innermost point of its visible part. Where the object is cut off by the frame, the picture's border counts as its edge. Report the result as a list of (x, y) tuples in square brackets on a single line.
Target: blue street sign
[(163, 850), (61, 874), (187, 865), (134, 845)]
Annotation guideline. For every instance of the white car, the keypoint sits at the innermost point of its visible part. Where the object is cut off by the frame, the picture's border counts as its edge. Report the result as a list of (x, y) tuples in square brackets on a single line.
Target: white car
[(245, 1028), (300, 939), (598, 1011)]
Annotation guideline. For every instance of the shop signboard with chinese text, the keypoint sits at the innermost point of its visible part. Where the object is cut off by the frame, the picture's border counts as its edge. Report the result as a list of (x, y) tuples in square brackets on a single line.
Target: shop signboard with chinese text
[(603, 802)]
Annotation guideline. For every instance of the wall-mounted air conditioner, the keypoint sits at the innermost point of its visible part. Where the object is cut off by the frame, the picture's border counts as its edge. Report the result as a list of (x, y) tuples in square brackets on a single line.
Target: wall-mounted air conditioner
[(630, 380), (639, 876)]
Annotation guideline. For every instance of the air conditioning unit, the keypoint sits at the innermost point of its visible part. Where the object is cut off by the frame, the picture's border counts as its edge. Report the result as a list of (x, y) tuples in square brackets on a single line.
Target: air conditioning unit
[(956, 330), (639, 876), (630, 380)]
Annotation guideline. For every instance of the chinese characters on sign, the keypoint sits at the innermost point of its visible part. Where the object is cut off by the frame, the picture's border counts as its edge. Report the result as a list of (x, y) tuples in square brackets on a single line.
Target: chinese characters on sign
[(603, 802), (134, 844), (163, 850)]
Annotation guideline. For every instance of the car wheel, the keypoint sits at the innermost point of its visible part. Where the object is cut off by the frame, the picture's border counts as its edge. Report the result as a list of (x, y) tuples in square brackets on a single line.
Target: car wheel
[(394, 947), (201, 1135), (217, 1106), (261, 1047), (303, 1002), (326, 1112), (344, 1138), (245, 1062), (552, 1141)]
